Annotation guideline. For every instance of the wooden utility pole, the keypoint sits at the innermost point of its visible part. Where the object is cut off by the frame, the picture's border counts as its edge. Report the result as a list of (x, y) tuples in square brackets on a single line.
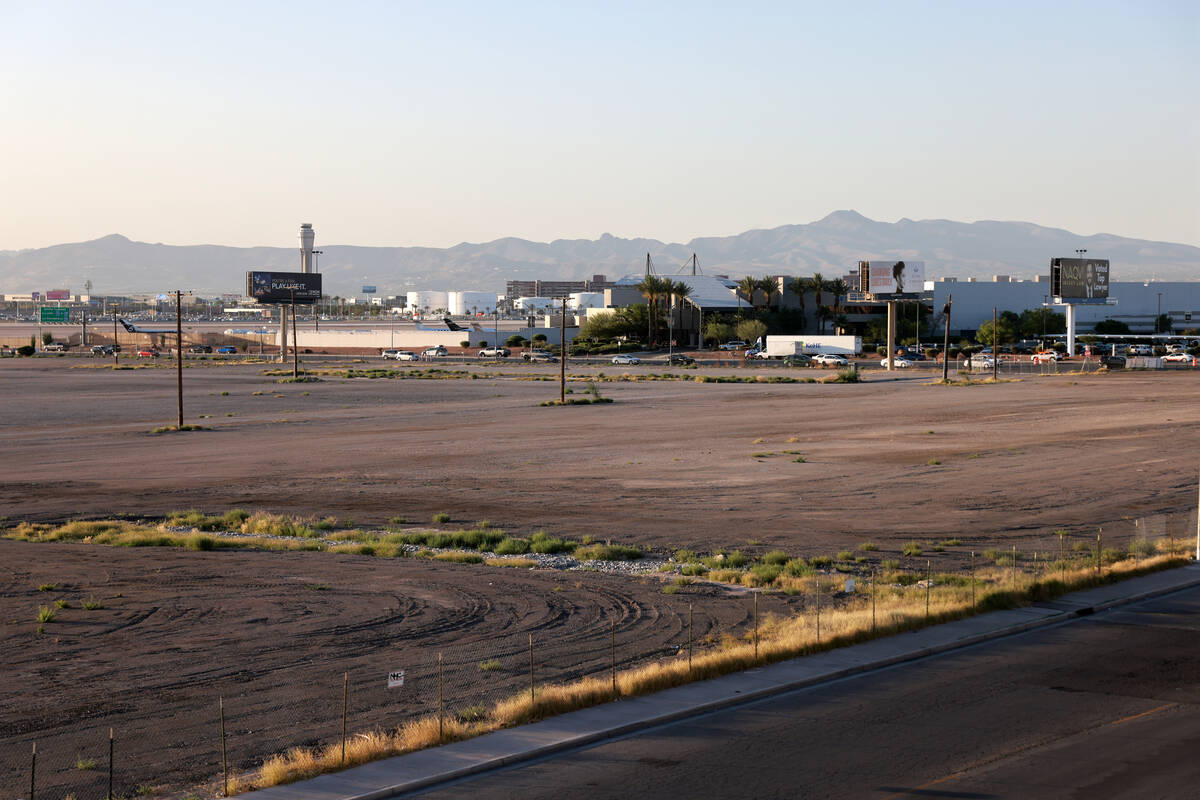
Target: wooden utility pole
[(562, 353), (995, 346), (296, 341), (283, 332), (946, 344), (179, 355)]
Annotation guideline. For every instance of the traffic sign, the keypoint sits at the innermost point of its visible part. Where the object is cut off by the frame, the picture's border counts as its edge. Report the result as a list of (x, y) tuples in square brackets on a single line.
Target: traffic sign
[(54, 314)]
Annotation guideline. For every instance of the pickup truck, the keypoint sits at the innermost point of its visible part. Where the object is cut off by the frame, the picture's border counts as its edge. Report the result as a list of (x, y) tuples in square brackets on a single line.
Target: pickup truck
[(494, 352)]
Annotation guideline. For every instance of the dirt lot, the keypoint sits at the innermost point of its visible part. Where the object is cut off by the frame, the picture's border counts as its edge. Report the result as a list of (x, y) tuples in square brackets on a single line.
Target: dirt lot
[(669, 464)]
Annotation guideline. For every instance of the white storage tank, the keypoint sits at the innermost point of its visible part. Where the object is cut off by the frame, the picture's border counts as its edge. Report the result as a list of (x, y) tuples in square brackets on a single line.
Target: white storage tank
[(466, 304), (583, 300), (428, 302)]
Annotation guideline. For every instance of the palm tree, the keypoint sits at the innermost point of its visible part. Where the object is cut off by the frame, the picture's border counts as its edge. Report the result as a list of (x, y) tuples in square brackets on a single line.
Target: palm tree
[(769, 287), (675, 291), (798, 286), (839, 289), (747, 286), (652, 288)]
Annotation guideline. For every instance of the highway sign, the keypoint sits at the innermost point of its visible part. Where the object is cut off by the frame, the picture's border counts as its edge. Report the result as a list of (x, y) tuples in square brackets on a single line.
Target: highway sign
[(52, 314)]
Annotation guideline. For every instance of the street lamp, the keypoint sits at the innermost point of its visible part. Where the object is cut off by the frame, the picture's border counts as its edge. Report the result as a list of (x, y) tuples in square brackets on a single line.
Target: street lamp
[(1158, 315)]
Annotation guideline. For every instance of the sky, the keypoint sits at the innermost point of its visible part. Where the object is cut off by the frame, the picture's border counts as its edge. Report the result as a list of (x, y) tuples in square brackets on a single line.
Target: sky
[(431, 124)]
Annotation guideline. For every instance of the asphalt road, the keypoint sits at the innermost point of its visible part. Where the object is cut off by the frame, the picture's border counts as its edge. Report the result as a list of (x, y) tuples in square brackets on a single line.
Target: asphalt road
[(1106, 706)]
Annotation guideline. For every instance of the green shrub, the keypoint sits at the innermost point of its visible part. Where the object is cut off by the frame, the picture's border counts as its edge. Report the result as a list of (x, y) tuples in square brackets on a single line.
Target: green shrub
[(820, 562), (693, 570), (511, 547), (440, 518), (607, 552), (890, 563), (491, 665), (845, 555), (868, 547), (198, 542), (47, 587), (541, 542), (776, 557), (798, 568), (765, 574), (92, 604), (460, 557), (1143, 548), (911, 549), (45, 614), (685, 556)]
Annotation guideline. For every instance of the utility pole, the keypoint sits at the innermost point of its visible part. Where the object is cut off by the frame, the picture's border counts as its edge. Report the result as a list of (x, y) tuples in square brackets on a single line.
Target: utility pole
[(891, 333), (179, 354), (562, 353), (995, 346), (116, 347), (296, 341), (283, 332), (946, 345)]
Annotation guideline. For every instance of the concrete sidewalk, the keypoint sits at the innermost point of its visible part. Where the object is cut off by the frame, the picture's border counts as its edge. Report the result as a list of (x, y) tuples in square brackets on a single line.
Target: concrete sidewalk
[(393, 776)]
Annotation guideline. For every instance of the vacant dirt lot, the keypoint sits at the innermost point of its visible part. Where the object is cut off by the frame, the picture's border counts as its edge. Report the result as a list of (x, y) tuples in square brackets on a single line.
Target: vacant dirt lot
[(669, 464)]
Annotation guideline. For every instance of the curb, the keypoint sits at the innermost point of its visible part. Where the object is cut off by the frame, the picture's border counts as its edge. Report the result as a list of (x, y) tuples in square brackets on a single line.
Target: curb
[(573, 742)]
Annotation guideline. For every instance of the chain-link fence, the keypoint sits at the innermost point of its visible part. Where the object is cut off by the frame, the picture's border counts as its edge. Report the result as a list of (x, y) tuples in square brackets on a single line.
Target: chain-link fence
[(197, 737)]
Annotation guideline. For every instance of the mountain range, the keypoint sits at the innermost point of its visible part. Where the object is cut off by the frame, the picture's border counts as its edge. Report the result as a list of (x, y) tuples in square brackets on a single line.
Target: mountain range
[(832, 245)]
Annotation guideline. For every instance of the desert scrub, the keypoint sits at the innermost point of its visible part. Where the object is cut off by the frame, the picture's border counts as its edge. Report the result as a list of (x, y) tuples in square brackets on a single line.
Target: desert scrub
[(607, 552), (519, 563), (777, 557), (491, 665), (459, 557), (92, 604), (47, 587), (441, 518), (45, 614), (868, 547), (911, 549), (276, 525)]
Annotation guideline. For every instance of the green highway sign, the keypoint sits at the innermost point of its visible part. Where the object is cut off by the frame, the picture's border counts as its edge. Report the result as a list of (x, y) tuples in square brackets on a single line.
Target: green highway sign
[(53, 314)]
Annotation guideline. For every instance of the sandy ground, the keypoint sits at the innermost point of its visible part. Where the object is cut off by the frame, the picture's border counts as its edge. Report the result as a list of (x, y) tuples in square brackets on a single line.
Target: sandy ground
[(669, 464)]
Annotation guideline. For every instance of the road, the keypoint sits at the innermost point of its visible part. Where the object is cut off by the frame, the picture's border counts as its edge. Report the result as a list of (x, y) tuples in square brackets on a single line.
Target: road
[(1104, 706)]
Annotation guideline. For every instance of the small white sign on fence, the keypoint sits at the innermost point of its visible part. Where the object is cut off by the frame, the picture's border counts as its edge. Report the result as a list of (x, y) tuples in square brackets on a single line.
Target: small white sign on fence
[(395, 679), (850, 586)]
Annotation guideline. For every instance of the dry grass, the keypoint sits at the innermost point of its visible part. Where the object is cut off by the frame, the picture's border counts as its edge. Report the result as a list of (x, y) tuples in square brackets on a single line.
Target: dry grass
[(897, 609)]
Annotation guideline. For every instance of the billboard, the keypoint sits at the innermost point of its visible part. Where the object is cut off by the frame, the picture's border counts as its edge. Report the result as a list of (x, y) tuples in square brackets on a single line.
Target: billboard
[(58, 294), (54, 314), (368, 290), (1079, 278), (890, 277), (303, 288)]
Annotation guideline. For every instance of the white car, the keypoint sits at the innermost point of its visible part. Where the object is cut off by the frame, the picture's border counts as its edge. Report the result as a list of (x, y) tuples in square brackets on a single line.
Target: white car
[(900, 362), (435, 352), (736, 344), (623, 359), (830, 360), (400, 355), (1178, 358), (1045, 357), (980, 361)]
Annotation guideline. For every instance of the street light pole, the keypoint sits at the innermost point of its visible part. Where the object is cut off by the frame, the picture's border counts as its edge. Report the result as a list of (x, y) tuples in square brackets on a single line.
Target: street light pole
[(1158, 315)]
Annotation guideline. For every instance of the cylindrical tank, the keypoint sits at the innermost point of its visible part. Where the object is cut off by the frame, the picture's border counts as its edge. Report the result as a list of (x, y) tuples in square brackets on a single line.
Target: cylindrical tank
[(306, 247), (428, 302), (533, 304), (470, 303), (581, 300)]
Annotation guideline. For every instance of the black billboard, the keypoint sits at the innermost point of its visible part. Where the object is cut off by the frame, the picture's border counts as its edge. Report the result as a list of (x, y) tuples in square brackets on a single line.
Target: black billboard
[(1085, 278), (301, 288)]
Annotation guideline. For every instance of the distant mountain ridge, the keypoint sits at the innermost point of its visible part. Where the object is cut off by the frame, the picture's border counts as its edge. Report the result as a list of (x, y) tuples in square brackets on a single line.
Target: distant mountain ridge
[(832, 245)]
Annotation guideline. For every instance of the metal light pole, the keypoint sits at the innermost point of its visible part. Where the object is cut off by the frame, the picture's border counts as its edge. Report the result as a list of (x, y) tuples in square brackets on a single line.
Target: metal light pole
[(1158, 315), (116, 347)]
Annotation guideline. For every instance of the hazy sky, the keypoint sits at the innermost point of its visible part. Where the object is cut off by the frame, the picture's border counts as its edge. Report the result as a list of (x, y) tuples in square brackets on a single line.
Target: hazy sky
[(389, 123)]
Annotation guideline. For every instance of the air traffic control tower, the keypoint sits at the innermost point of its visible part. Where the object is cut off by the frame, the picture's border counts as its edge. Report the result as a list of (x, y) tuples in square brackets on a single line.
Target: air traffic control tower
[(307, 263)]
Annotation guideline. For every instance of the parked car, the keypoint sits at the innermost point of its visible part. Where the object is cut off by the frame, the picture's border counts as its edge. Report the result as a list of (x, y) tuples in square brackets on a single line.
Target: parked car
[(400, 355), (679, 359), (830, 360), (733, 344), (980, 361), (55, 347), (900, 362), (147, 353), (539, 355), (200, 348), (1044, 357), (494, 352), (227, 349), (102, 350), (798, 360), (626, 359), (1112, 362), (1178, 358), (436, 351)]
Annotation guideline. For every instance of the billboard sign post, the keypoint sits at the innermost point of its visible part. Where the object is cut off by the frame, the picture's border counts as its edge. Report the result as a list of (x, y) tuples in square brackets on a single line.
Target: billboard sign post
[(888, 279), (1079, 279), (285, 288)]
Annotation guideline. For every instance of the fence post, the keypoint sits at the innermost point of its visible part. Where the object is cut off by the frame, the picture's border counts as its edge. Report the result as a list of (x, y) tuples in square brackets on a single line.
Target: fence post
[(110, 757), (873, 602), (689, 637), (756, 626), (613, 651), (441, 715), (972, 579), (531, 668), (1099, 540), (818, 610), (345, 702), (33, 772), (928, 586), (224, 755), (1062, 564), (1012, 573)]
